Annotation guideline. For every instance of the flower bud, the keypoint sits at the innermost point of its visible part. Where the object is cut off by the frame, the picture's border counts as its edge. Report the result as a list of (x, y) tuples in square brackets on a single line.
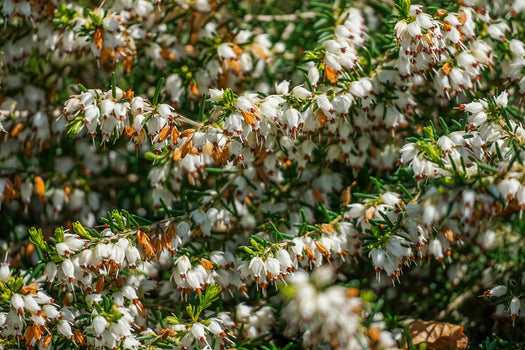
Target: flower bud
[(497, 291)]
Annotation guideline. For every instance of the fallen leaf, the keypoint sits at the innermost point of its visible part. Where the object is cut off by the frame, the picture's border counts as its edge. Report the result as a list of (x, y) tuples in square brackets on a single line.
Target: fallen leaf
[(438, 335)]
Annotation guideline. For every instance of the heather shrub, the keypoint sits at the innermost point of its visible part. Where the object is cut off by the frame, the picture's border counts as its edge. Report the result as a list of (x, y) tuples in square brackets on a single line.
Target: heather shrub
[(262, 175)]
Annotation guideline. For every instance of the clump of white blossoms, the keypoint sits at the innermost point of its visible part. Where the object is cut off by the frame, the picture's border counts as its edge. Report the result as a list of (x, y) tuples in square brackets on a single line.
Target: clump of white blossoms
[(216, 174), (332, 315)]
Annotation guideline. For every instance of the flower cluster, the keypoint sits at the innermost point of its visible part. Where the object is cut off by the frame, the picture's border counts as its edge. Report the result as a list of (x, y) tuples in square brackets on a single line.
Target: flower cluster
[(249, 164), (29, 313), (333, 314)]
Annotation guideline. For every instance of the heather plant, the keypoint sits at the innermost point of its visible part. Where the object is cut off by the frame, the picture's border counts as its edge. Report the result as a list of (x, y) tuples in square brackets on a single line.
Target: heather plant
[(262, 175)]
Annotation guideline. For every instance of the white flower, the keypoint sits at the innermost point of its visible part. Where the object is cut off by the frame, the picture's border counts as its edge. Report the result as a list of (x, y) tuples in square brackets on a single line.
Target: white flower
[(183, 265), (473, 107), (132, 256), (414, 29), (488, 239), (378, 258), (257, 267), (282, 87), (131, 343), (272, 267), (64, 328), (87, 99), (313, 76), (400, 29), (68, 269), (17, 303), (436, 249), (137, 105), (5, 272), (129, 293), (509, 188), (198, 331), (301, 92), (408, 152), (30, 304), (395, 246), (106, 107), (51, 271), (215, 326), (99, 325), (497, 30), (51, 311), (216, 94), (285, 261), (514, 308), (517, 47), (225, 51), (497, 291), (166, 111), (502, 99)]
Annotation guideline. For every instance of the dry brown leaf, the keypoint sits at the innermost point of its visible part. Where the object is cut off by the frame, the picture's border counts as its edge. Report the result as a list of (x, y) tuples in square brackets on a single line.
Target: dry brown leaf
[(449, 234), (237, 49), (462, 18), (259, 51), (187, 133), (249, 117), (328, 228), (186, 148), (446, 68), (346, 196), (194, 88), (369, 215), (352, 292), (29, 289), (208, 265), (79, 338), (47, 340), (309, 253), (321, 117), (127, 62), (428, 38), (128, 93), (322, 249), (167, 54), (208, 149), (129, 131), (174, 135), (9, 190), (99, 286), (97, 38), (40, 188), (438, 335), (16, 130), (318, 195), (107, 54), (177, 153), (164, 133), (331, 74)]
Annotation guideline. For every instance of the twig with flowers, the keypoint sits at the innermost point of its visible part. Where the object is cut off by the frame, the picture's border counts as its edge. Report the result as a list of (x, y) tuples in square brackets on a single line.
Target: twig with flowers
[(389, 145)]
